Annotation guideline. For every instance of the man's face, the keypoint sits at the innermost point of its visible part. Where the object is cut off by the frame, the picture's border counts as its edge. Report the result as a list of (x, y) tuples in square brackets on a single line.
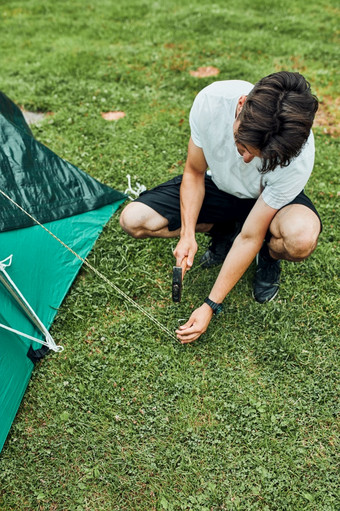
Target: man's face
[(248, 153)]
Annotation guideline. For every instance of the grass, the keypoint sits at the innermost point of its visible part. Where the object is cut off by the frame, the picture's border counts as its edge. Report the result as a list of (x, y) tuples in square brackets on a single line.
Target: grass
[(125, 418)]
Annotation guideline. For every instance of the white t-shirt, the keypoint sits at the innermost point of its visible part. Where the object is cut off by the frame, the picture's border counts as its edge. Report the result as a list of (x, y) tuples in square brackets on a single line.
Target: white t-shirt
[(211, 121)]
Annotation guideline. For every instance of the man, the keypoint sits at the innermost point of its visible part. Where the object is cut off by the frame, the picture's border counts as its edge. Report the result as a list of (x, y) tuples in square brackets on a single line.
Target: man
[(259, 148)]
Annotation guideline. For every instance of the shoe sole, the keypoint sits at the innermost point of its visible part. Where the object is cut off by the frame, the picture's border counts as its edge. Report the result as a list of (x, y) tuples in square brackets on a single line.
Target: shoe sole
[(270, 299)]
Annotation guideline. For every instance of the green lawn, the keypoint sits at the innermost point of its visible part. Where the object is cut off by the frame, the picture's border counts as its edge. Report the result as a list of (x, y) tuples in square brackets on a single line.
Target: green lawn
[(126, 418)]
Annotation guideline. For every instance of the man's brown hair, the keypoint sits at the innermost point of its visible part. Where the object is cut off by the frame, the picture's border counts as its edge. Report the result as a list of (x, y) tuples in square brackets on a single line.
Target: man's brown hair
[(277, 117)]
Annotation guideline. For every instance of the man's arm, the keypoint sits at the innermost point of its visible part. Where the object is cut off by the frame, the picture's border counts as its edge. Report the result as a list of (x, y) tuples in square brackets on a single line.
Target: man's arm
[(245, 247), (192, 195)]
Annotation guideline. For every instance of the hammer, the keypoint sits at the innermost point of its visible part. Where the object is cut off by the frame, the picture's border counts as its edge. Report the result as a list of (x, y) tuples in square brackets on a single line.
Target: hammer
[(178, 273)]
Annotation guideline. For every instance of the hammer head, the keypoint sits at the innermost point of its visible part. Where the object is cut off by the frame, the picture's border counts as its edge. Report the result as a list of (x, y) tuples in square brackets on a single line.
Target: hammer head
[(177, 283)]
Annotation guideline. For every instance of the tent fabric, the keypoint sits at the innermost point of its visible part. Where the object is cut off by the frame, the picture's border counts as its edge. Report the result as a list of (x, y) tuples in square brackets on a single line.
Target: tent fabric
[(42, 183), (73, 206), (43, 271)]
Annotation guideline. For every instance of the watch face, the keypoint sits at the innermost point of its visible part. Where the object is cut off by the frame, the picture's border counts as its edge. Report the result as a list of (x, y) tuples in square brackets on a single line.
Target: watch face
[(219, 309)]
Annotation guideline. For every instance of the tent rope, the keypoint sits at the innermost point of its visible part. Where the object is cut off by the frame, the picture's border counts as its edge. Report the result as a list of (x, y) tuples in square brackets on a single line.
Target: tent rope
[(97, 272), (44, 343), (21, 300)]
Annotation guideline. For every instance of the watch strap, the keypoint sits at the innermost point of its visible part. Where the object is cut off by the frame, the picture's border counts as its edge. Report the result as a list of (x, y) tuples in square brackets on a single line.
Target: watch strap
[(217, 308)]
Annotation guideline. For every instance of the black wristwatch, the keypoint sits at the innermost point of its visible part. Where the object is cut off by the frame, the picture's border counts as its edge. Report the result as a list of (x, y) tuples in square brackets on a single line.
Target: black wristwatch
[(217, 308)]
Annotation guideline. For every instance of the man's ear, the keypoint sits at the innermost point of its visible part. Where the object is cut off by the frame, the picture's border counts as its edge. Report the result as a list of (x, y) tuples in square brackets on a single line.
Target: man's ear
[(240, 104)]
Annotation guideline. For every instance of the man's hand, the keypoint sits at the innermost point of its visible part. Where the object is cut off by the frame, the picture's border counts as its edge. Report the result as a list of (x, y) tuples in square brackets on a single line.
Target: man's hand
[(186, 248), (196, 326)]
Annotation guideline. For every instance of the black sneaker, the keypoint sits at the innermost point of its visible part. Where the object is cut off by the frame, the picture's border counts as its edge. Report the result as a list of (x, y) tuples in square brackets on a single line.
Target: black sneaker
[(267, 276), (219, 247)]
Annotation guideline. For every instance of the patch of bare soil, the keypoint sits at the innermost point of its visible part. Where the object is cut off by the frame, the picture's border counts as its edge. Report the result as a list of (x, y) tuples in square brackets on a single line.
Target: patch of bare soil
[(204, 72), (34, 117), (328, 117), (112, 116)]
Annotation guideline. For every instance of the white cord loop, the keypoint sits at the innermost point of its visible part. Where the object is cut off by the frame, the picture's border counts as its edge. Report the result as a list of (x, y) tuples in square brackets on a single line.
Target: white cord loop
[(6, 262), (139, 189)]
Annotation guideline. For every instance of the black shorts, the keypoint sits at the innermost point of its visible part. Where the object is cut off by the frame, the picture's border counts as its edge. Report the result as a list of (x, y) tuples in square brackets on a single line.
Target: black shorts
[(218, 207)]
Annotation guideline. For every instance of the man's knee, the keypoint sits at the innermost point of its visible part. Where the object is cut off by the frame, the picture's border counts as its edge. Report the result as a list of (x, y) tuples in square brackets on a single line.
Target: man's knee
[(130, 221), (295, 230), (142, 221), (300, 240)]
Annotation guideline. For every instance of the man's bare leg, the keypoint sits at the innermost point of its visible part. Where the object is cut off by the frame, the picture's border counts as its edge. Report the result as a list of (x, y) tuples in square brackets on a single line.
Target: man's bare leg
[(141, 221), (295, 230)]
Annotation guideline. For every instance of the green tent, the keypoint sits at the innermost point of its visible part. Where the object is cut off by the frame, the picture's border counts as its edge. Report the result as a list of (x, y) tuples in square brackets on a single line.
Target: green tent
[(36, 271)]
